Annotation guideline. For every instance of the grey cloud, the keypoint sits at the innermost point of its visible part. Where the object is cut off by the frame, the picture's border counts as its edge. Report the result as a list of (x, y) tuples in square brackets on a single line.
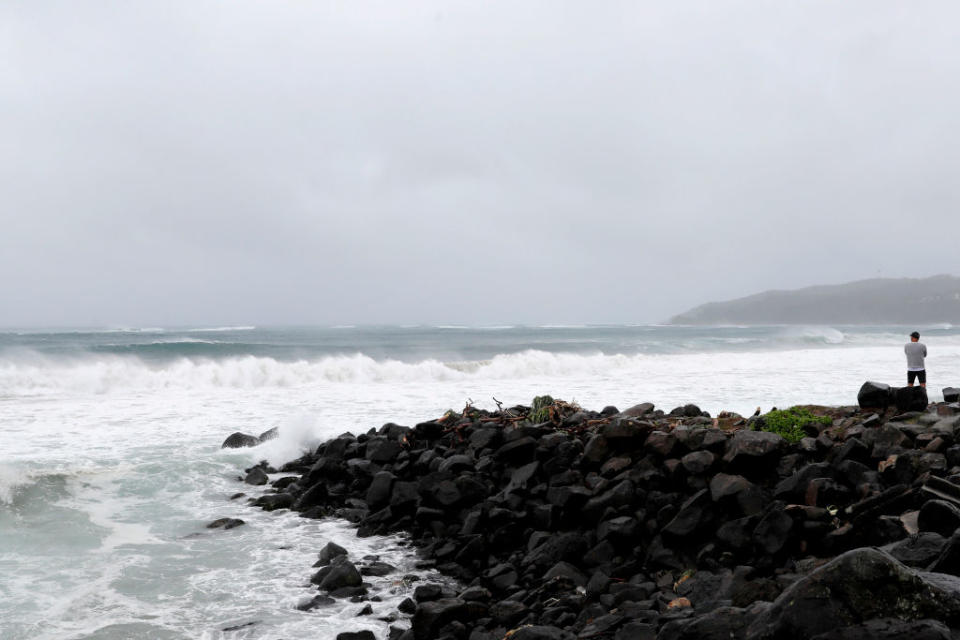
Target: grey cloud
[(329, 162)]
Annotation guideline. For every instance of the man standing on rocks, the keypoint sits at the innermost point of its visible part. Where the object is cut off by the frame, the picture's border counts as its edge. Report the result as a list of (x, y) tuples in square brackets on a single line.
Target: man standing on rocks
[(916, 351)]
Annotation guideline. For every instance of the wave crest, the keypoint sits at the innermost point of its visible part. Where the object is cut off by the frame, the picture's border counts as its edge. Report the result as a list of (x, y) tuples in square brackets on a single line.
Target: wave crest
[(102, 375)]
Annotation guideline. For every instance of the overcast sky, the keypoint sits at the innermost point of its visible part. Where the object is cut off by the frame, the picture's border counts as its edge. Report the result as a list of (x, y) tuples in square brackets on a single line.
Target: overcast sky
[(353, 162)]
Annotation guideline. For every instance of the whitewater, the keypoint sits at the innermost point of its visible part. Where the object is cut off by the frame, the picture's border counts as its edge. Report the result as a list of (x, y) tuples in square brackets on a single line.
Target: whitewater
[(110, 459)]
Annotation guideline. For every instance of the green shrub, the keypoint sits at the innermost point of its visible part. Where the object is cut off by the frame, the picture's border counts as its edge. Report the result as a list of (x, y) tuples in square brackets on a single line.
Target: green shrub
[(540, 409), (789, 424)]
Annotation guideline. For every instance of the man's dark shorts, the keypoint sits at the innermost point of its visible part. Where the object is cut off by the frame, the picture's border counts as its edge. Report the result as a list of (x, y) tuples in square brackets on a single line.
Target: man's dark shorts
[(922, 375)]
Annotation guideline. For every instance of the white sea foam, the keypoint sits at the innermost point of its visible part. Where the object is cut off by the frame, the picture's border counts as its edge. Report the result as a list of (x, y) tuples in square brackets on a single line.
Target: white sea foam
[(222, 329), (11, 480)]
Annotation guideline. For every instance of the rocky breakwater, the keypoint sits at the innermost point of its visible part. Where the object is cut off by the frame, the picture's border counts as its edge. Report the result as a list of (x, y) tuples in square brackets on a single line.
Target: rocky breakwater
[(557, 522)]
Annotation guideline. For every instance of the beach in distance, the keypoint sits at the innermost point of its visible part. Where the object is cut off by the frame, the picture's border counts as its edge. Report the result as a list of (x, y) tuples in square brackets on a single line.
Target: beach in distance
[(112, 465)]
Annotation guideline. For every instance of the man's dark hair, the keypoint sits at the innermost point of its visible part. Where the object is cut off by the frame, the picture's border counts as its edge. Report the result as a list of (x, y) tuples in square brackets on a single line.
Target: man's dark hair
[(915, 334)]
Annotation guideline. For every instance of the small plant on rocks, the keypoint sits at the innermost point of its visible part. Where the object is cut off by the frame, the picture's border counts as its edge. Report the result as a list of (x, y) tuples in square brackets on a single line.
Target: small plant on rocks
[(540, 409), (789, 424)]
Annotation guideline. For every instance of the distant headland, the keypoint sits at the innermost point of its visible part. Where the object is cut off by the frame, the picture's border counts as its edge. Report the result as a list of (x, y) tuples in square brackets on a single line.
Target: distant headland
[(875, 301)]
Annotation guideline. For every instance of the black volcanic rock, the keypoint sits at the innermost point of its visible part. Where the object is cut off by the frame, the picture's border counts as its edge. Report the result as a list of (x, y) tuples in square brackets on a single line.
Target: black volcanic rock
[(855, 587), (237, 440), (617, 526), (875, 395)]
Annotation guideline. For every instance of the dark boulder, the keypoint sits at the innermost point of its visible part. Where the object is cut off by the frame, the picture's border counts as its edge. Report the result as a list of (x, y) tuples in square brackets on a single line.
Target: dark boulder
[(427, 593), (270, 434), (457, 463), (597, 449), (625, 434), (430, 617), (890, 629), (540, 632), (274, 501), (568, 571), (257, 476), (519, 451), (773, 530), (382, 450), (910, 398), (226, 523), (693, 514), (637, 410), (564, 546), (342, 573), (330, 551), (378, 493), (939, 516), (698, 462), (312, 497), (314, 602), (723, 623), (951, 394), (858, 586), (356, 635), (237, 440), (875, 395), (919, 550), (753, 452), (949, 559)]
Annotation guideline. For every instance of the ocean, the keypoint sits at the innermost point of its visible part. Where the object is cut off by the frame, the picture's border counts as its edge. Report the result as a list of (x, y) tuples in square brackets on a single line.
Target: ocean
[(110, 459)]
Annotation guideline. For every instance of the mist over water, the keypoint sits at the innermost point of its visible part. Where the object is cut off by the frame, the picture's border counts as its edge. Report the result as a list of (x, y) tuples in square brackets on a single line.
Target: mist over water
[(111, 465)]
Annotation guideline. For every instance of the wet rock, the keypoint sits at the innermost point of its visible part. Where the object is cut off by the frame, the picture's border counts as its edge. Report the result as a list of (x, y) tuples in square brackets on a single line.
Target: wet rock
[(378, 493), (226, 523), (274, 501), (356, 635), (890, 629), (939, 516), (597, 449), (540, 632), (568, 571), (427, 592), (378, 569), (625, 434), (919, 550), (874, 395), (430, 617), (237, 440), (638, 410), (458, 463), (910, 398), (951, 394), (773, 530), (697, 462), (342, 573), (256, 476), (752, 452), (661, 443), (853, 588), (949, 559), (693, 514), (722, 623), (637, 630), (269, 434), (329, 552), (382, 450), (314, 602)]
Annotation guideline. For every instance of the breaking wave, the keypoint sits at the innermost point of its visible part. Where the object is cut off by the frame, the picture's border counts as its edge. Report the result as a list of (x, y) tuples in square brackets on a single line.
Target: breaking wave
[(101, 375)]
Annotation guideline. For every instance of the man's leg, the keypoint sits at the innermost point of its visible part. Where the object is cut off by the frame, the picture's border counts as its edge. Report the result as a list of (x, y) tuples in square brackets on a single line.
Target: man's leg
[(923, 378), (910, 376)]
